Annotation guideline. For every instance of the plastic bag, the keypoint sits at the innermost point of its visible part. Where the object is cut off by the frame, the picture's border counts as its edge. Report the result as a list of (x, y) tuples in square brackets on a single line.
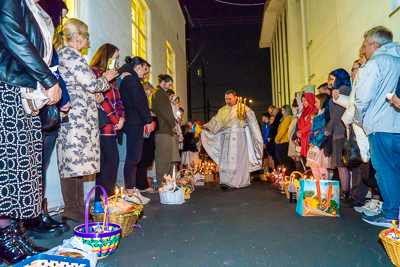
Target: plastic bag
[(74, 246)]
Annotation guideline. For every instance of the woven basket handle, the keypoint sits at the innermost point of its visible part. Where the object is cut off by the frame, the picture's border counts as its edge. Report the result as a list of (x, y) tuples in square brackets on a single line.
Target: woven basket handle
[(87, 207)]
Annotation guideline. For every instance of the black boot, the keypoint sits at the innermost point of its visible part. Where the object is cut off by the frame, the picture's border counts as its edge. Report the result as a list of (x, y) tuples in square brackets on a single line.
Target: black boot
[(50, 221), (12, 251), (24, 239), (38, 229)]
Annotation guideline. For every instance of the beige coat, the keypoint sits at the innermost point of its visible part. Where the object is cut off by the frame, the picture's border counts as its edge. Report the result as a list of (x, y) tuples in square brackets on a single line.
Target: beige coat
[(78, 142)]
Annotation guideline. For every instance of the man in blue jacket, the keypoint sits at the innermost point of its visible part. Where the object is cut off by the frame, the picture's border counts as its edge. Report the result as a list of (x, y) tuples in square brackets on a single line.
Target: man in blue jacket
[(380, 119)]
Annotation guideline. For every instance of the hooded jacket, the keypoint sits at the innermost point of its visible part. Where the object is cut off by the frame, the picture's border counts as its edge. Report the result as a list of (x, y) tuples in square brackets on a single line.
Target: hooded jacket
[(304, 122), (380, 76)]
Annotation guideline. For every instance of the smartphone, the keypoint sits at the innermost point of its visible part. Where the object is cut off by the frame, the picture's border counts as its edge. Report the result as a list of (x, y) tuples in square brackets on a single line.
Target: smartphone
[(111, 63)]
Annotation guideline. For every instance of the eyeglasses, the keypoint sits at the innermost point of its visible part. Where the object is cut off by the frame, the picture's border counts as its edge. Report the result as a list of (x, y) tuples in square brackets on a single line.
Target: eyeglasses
[(353, 69), (87, 35)]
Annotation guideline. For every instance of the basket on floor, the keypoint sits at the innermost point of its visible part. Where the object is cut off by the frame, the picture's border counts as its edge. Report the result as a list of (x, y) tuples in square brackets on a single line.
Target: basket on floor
[(185, 178), (392, 247), (172, 197), (105, 243), (263, 177), (126, 219), (271, 178)]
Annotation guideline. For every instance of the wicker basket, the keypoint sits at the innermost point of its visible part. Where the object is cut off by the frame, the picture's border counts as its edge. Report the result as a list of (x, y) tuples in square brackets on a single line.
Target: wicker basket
[(104, 243), (392, 247), (172, 197), (126, 219), (271, 178), (185, 178), (263, 177)]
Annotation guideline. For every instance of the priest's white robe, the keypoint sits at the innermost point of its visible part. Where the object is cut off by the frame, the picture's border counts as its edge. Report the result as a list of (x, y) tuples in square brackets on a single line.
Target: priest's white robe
[(236, 149)]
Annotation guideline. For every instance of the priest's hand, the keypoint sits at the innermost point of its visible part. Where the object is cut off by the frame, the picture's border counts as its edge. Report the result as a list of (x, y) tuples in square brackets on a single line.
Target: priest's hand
[(244, 116), (204, 128)]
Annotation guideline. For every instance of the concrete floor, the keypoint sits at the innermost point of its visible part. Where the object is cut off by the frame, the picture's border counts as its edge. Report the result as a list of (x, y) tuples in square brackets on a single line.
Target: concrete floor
[(253, 226)]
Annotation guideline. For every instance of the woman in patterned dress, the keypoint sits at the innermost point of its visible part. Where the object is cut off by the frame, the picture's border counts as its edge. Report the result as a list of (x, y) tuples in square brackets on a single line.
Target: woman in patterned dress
[(78, 143), (25, 52)]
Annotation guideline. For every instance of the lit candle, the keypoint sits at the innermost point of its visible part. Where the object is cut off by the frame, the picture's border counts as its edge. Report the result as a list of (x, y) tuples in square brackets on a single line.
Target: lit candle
[(244, 106), (394, 227), (104, 218), (279, 170), (116, 196), (122, 192), (284, 171)]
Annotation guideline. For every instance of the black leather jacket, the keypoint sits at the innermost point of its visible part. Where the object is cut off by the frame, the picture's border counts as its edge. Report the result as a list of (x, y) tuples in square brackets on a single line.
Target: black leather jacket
[(22, 47)]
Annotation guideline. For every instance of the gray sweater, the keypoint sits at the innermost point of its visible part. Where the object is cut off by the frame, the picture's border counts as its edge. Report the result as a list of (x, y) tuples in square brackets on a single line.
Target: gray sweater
[(335, 126)]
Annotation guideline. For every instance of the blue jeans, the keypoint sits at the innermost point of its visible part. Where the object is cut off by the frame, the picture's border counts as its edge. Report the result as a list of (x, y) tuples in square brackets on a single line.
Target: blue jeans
[(385, 155)]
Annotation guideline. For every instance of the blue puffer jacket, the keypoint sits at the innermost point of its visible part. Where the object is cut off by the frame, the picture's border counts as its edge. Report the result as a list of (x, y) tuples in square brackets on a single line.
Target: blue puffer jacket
[(379, 77)]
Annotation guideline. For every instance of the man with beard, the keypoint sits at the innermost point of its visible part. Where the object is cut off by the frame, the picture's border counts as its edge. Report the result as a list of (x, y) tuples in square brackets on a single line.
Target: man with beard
[(236, 148)]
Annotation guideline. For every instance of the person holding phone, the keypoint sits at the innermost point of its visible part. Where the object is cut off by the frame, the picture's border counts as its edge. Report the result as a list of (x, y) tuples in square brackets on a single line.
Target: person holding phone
[(107, 58), (138, 117), (78, 143)]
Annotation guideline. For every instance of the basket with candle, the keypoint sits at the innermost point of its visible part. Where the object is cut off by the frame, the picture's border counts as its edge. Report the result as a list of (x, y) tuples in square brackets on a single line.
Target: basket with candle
[(391, 241), (103, 236), (124, 209), (185, 178), (295, 181), (280, 180), (170, 193)]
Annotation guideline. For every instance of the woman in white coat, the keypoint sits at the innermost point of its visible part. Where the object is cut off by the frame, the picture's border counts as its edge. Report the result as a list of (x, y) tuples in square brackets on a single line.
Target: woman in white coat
[(78, 143)]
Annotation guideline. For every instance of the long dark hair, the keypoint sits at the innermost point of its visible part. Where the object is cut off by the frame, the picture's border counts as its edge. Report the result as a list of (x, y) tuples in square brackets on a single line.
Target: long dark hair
[(135, 61), (100, 58), (54, 9)]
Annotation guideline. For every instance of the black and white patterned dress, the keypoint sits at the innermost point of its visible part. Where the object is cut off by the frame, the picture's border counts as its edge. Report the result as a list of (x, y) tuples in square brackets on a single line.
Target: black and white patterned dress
[(20, 157)]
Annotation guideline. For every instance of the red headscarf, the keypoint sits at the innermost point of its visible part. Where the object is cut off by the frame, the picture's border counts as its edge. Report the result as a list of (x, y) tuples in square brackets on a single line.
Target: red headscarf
[(304, 123)]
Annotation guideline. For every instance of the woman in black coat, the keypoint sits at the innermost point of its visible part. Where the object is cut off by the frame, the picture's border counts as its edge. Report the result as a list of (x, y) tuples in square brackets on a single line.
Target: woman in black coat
[(137, 115)]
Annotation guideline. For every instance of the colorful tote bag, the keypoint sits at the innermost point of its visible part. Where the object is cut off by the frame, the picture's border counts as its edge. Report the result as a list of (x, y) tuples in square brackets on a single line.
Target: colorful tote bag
[(318, 198)]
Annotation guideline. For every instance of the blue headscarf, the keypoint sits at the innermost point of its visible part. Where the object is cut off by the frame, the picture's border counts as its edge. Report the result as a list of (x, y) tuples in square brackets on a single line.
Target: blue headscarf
[(342, 78)]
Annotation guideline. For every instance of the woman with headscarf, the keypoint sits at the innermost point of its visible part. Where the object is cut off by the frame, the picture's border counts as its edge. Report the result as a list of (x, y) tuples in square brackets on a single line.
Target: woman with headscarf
[(282, 139), (297, 108), (338, 79), (304, 123)]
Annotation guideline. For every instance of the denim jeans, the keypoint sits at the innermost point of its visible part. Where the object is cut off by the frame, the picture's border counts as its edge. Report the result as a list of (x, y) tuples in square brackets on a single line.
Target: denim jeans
[(385, 155)]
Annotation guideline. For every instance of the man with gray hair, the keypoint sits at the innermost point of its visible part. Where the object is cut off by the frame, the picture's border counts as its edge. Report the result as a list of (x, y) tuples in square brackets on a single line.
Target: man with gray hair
[(380, 119)]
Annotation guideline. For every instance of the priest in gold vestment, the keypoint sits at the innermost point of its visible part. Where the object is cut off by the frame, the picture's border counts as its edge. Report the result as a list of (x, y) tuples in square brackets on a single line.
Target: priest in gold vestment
[(236, 148)]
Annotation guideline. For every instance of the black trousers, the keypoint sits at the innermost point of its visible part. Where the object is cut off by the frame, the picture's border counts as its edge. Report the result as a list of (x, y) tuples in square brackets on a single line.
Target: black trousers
[(109, 160), (48, 144), (284, 159), (134, 151)]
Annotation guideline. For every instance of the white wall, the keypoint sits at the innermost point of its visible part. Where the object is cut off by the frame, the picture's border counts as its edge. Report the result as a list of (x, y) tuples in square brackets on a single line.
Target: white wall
[(336, 29), (110, 22)]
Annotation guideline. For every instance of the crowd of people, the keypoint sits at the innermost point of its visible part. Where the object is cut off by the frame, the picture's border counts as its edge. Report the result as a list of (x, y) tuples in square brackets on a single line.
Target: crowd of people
[(104, 119), (112, 123), (311, 134)]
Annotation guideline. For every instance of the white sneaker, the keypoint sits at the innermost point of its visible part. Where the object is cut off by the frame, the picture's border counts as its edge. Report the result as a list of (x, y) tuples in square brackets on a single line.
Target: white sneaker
[(144, 200), (367, 204), (374, 210)]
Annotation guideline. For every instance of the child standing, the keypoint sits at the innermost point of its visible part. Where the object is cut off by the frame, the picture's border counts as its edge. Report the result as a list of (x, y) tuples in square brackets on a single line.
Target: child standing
[(190, 152), (316, 158)]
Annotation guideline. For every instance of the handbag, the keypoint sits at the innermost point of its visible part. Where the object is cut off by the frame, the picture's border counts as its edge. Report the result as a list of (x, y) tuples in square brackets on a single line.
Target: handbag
[(313, 154), (103, 118), (49, 117), (351, 153), (318, 198)]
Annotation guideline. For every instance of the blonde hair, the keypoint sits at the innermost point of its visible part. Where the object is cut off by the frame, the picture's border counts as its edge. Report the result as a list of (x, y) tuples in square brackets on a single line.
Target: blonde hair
[(148, 87), (67, 31)]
